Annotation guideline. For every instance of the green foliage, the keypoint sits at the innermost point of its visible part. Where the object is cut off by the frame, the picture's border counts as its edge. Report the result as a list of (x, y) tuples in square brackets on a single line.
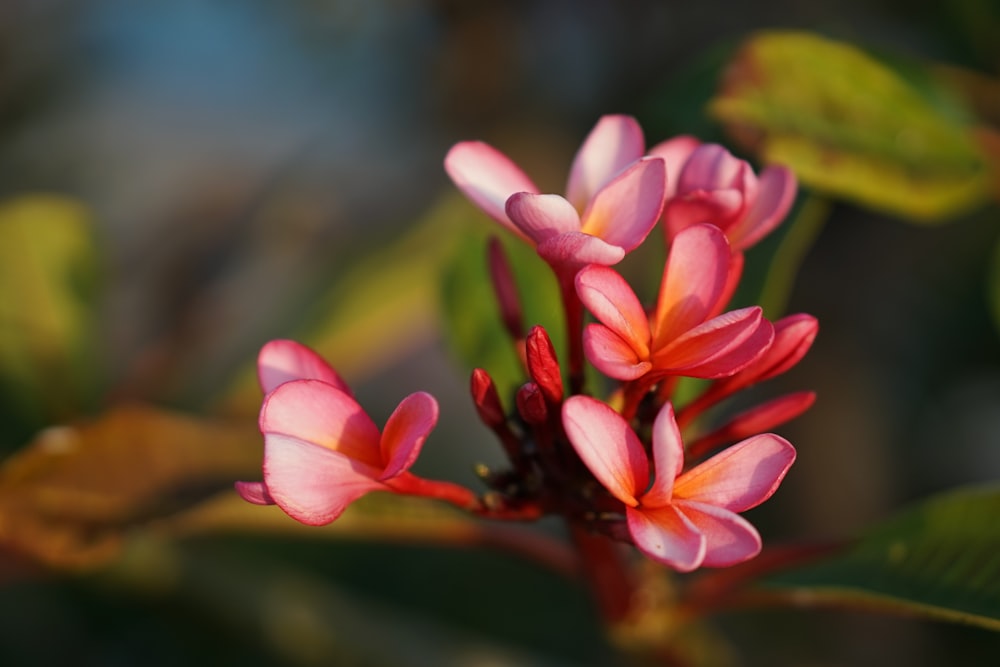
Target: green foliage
[(471, 312), (940, 559), (851, 126), (48, 306)]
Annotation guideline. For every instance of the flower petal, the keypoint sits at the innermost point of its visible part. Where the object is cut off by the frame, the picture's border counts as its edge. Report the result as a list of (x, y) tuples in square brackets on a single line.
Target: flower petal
[(405, 431), (282, 360), (540, 217), (607, 446), (575, 249), (711, 167), (775, 195), (793, 336), (675, 153), (625, 210), (254, 492), (611, 354), (668, 458), (764, 417), (718, 348), (611, 300), (715, 207), (319, 413), (729, 538), (312, 484), (693, 280), (740, 477), (666, 535), (487, 177), (614, 143)]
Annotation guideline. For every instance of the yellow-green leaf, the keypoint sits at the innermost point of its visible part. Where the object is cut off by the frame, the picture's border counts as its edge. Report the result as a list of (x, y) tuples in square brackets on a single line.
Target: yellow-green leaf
[(381, 309), (48, 267), (851, 126)]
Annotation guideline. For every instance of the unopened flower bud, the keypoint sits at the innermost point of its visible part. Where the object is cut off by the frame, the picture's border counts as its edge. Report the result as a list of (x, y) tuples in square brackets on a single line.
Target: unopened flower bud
[(531, 403), (543, 365), (486, 399), (505, 289)]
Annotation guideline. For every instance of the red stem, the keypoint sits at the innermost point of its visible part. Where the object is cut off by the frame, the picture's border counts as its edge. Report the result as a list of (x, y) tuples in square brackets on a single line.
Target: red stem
[(573, 309), (606, 573)]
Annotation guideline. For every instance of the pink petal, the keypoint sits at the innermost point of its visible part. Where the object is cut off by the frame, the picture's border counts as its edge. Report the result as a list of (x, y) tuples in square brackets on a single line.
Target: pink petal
[(405, 431), (693, 280), (775, 196), (282, 360), (254, 492), (613, 144), (577, 249), (793, 336), (720, 347), (625, 210), (729, 538), (736, 261), (711, 167), (312, 484), (317, 412), (740, 477), (540, 217), (611, 300), (666, 535), (675, 153), (760, 418), (714, 207), (611, 354), (607, 446), (668, 458), (487, 177)]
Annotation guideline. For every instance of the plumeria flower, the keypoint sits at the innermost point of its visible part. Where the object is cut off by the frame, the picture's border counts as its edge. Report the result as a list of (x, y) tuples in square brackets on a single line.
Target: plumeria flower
[(614, 195), (684, 335), (321, 450), (683, 519), (714, 186)]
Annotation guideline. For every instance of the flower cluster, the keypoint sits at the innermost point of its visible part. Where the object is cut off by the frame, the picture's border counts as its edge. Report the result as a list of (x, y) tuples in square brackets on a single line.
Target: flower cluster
[(633, 467)]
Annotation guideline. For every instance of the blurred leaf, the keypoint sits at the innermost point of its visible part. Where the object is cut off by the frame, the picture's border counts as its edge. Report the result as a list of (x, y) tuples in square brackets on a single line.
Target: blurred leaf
[(941, 560), (48, 294), (381, 310), (383, 517), (471, 312), (68, 497), (852, 127), (309, 605), (993, 285)]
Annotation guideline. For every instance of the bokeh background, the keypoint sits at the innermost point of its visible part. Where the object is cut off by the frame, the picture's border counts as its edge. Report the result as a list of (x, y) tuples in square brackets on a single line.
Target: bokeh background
[(230, 166)]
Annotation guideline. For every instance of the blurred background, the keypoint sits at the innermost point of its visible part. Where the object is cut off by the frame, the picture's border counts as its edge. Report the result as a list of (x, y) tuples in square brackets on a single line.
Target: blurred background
[(183, 180)]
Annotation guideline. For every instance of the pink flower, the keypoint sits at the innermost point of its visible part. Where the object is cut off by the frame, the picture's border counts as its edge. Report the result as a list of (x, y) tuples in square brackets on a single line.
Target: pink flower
[(683, 519), (321, 450), (715, 187), (613, 199), (685, 335)]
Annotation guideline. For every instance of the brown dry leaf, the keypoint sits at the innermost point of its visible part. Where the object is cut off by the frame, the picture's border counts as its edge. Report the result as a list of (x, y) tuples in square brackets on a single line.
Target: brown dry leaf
[(71, 495)]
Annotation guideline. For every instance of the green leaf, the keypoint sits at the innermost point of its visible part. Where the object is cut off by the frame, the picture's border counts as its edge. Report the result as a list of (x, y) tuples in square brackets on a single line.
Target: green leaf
[(471, 312), (940, 560), (993, 285), (48, 294), (851, 126), (382, 308)]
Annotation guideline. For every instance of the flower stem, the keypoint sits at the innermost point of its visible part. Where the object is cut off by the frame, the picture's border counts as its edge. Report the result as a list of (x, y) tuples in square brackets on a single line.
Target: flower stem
[(573, 309), (606, 573)]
